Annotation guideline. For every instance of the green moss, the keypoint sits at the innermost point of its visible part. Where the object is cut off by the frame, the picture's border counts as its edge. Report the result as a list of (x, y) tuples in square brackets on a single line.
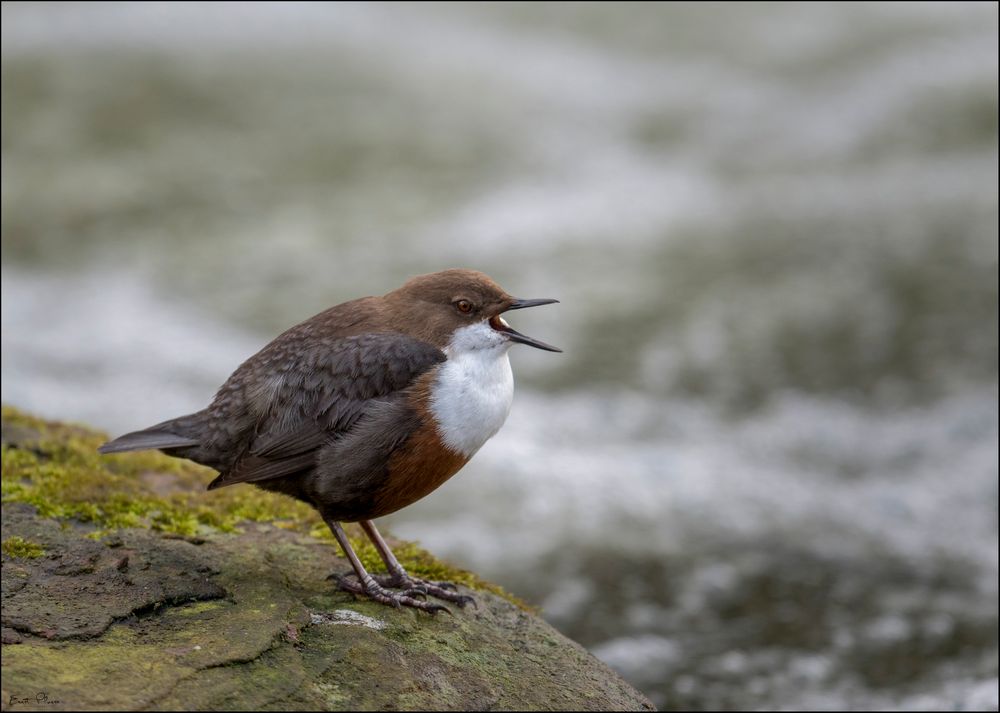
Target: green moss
[(20, 547), (56, 468)]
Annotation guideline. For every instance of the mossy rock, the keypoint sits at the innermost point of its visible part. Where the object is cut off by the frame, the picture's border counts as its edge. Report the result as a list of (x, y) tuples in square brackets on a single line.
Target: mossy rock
[(126, 586)]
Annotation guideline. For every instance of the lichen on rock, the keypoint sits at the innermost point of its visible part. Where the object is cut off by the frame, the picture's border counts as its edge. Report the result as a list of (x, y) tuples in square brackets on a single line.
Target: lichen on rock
[(126, 586)]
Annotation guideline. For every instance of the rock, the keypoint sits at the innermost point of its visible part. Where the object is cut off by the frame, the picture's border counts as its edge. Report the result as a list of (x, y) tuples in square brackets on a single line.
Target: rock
[(174, 612)]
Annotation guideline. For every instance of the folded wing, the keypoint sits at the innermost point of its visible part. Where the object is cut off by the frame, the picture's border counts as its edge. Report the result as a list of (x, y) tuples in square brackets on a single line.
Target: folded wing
[(295, 406)]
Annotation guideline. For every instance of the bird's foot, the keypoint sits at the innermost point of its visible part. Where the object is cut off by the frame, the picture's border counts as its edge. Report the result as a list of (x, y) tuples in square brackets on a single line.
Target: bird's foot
[(373, 590), (441, 590)]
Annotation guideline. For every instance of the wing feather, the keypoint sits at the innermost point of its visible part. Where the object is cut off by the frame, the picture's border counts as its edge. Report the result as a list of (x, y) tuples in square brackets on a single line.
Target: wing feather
[(301, 404)]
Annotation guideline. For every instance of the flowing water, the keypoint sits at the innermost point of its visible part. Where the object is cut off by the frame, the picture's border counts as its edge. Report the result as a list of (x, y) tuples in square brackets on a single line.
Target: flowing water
[(764, 472)]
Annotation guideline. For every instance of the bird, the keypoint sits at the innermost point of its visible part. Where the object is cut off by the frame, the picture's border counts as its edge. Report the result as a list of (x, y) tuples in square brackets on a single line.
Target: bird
[(362, 410)]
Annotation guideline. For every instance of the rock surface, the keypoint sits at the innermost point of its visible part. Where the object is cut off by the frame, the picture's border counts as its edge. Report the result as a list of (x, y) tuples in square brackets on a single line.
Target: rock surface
[(145, 618)]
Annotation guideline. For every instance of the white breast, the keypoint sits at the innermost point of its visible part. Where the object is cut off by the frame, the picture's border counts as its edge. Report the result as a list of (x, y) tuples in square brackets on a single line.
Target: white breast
[(471, 397)]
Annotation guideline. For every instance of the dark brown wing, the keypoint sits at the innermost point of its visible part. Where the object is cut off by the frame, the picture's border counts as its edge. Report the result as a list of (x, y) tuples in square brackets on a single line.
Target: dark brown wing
[(302, 403)]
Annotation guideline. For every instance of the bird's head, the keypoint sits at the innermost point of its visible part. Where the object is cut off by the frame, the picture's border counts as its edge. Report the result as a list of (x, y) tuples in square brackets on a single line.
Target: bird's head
[(460, 310)]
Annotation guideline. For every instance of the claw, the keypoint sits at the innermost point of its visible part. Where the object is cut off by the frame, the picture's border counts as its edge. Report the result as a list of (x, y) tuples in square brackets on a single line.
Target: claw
[(346, 584), (446, 591), (372, 589), (412, 587), (441, 590)]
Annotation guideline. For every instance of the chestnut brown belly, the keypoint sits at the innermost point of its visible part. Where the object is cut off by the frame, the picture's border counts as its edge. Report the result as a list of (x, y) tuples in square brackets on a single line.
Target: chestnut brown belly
[(416, 469)]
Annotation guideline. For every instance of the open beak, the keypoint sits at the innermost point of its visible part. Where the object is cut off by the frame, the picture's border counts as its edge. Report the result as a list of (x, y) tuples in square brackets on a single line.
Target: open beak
[(498, 323)]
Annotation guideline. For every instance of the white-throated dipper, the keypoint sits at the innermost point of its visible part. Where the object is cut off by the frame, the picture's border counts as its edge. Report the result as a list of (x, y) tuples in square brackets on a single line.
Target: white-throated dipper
[(363, 409)]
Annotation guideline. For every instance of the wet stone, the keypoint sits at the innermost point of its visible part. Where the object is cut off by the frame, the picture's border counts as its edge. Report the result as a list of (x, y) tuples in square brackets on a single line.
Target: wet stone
[(132, 618)]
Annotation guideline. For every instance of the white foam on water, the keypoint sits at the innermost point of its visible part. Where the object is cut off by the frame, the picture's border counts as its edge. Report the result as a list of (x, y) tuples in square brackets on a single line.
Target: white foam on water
[(104, 348)]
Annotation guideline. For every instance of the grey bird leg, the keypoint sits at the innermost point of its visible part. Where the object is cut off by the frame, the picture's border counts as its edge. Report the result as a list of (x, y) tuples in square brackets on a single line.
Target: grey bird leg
[(367, 585), (398, 577)]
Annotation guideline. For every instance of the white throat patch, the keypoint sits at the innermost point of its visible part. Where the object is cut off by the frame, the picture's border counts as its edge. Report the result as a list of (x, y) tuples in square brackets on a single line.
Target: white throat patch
[(471, 397)]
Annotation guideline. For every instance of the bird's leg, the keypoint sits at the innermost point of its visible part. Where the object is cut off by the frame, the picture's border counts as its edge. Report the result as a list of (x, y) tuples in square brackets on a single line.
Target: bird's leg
[(367, 585), (398, 577)]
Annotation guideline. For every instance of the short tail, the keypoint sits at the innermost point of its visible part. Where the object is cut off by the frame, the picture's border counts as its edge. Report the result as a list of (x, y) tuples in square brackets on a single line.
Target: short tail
[(176, 433)]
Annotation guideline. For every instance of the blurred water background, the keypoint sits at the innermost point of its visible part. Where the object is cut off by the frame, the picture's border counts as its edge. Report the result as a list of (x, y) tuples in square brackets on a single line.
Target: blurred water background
[(764, 472)]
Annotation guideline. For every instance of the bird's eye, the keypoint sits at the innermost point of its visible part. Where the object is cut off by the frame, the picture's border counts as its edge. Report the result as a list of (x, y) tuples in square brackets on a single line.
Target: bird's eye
[(464, 306)]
